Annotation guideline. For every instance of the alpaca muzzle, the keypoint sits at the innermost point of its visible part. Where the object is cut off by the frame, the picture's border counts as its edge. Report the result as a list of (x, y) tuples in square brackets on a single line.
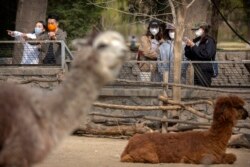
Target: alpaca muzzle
[(244, 113)]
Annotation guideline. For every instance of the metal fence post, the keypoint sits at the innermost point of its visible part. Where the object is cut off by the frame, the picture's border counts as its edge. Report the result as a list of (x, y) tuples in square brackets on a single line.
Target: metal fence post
[(62, 55)]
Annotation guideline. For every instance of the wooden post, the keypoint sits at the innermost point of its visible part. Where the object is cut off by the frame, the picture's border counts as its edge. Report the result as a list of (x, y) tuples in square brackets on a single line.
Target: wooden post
[(180, 19), (164, 128), (191, 74)]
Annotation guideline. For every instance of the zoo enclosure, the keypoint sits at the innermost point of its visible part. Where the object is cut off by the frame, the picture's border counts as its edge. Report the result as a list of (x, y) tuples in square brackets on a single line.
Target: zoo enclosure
[(233, 73)]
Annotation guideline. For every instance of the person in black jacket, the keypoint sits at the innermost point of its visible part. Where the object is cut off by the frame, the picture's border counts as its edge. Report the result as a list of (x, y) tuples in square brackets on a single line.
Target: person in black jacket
[(202, 48)]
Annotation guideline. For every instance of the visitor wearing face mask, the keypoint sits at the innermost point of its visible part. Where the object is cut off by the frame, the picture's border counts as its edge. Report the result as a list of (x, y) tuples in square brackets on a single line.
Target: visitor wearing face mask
[(51, 51), (148, 45), (30, 50), (166, 53), (202, 48)]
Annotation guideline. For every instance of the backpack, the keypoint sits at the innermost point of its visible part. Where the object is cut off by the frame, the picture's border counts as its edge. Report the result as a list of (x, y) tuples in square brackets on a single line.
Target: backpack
[(215, 69)]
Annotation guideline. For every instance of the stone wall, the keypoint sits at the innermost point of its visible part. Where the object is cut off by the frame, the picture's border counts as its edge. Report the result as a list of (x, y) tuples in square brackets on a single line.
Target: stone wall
[(47, 78)]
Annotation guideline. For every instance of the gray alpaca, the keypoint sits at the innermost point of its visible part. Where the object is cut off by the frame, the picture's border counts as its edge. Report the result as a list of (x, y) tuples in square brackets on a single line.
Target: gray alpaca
[(31, 124)]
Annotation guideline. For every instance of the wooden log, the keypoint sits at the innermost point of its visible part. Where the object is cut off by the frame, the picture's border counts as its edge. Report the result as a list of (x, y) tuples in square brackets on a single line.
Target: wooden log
[(152, 119), (98, 129), (199, 102), (112, 122), (188, 108), (240, 124), (116, 116), (135, 108), (183, 86)]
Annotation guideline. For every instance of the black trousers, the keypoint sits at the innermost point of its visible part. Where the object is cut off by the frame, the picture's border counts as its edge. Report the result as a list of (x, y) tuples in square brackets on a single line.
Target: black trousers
[(203, 74)]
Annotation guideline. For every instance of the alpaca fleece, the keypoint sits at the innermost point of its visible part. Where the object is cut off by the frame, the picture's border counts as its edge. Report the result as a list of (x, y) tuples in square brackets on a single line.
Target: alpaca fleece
[(33, 123), (206, 147)]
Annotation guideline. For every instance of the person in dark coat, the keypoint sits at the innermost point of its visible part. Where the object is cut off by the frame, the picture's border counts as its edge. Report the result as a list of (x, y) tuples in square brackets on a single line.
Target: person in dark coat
[(202, 48)]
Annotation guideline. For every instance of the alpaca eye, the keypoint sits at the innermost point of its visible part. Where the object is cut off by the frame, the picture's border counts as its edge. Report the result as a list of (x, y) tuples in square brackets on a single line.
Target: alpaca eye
[(102, 46)]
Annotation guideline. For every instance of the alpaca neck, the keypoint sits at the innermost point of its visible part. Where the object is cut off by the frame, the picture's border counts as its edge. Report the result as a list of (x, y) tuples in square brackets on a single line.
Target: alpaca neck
[(222, 132), (70, 103)]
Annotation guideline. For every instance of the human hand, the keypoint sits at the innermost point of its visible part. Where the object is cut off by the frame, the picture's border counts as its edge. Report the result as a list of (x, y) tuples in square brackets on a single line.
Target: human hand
[(52, 35), (24, 36), (10, 33), (188, 42)]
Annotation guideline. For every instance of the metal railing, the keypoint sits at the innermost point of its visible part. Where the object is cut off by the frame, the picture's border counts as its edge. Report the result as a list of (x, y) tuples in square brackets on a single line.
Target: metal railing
[(230, 73), (34, 53), (56, 53)]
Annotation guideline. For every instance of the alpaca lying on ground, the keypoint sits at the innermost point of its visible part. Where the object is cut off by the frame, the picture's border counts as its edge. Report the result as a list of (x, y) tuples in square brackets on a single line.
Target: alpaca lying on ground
[(190, 147), (32, 124)]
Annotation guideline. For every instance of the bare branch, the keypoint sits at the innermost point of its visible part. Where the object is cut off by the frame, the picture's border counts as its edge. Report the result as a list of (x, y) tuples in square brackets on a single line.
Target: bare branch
[(190, 4), (172, 10), (128, 13)]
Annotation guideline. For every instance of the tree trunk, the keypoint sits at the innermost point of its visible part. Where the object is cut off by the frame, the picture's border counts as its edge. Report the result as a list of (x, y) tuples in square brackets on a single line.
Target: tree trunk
[(215, 19), (247, 9), (180, 21), (28, 13)]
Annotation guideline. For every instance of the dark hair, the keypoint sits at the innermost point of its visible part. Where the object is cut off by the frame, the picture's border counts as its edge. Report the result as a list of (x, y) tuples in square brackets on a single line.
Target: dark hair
[(154, 23), (43, 23), (206, 28), (165, 30), (165, 34), (53, 16)]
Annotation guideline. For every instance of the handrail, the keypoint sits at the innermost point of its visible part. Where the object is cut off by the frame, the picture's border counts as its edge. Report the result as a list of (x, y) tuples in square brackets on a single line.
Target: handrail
[(65, 51)]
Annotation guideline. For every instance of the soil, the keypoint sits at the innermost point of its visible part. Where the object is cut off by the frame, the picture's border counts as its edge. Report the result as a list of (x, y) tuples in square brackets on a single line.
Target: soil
[(77, 151)]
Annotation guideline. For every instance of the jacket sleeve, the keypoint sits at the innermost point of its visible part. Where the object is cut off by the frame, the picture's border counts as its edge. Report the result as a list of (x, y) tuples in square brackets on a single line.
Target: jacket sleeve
[(145, 47), (31, 36), (62, 36), (206, 51)]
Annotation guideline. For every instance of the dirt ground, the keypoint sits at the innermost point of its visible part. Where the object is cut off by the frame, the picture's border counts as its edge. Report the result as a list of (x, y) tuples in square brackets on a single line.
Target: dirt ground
[(77, 151)]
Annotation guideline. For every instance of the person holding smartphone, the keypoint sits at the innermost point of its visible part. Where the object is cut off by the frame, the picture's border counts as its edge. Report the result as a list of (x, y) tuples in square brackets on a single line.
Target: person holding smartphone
[(202, 48)]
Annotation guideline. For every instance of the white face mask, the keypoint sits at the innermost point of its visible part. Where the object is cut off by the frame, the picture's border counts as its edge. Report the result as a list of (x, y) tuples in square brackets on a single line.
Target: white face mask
[(154, 31), (199, 32), (171, 35)]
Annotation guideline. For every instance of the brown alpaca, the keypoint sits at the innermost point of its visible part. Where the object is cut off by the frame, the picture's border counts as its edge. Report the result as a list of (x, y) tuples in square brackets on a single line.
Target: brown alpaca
[(190, 147), (32, 123)]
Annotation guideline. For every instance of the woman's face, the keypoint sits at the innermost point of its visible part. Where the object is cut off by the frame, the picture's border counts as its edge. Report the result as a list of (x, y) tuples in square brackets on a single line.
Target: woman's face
[(154, 30), (39, 28), (40, 25)]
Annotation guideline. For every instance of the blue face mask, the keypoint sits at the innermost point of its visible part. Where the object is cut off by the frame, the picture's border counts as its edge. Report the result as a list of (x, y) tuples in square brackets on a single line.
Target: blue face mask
[(38, 30)]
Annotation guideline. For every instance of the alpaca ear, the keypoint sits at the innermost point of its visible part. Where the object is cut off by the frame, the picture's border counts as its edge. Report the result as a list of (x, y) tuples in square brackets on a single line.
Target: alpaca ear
[(223, 107), (237, 101), (223, 102)]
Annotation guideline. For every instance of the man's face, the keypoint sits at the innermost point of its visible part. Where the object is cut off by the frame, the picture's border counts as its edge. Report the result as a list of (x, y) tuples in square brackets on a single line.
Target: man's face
[(52, 25), (53, 22)]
